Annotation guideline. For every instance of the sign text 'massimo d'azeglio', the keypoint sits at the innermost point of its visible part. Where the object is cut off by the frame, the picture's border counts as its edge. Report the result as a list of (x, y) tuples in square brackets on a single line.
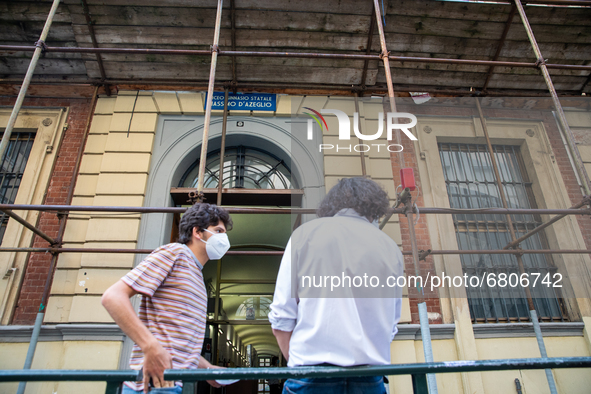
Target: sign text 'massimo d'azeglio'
[(245, 101)]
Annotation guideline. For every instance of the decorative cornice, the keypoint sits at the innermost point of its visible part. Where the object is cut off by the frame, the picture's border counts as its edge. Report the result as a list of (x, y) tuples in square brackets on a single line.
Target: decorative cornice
[(412, 332), (406, 332), (517, 330), (63, 332)]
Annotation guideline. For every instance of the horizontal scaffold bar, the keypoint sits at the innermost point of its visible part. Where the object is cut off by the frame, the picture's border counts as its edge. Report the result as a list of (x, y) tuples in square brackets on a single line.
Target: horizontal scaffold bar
[(315, 371), (236, 210), (305, 55), (280, 253)]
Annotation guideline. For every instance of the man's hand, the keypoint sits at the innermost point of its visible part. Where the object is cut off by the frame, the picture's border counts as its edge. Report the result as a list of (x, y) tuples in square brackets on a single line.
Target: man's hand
[(204, 364), (156, 360)]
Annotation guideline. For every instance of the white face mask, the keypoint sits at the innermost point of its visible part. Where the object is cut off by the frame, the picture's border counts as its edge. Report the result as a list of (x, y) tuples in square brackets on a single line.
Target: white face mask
[(217, 245)]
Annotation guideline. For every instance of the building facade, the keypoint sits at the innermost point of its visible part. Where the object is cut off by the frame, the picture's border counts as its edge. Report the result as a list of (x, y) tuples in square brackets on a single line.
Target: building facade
[(137, 143)]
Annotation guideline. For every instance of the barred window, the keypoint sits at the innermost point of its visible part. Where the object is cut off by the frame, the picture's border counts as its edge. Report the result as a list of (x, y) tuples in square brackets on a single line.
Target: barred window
[(12, 169), (470, 181), (244, 167)]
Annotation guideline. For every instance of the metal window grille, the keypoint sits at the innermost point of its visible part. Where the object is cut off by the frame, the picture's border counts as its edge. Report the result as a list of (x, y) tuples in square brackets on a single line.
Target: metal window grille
[(12, 169), (244, 167), (470, 181)]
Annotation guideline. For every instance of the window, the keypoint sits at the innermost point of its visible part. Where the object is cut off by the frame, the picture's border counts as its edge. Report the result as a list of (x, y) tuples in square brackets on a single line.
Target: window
[(254, 308), (244, 167), (470, 182), (12, 169), (264, 362)]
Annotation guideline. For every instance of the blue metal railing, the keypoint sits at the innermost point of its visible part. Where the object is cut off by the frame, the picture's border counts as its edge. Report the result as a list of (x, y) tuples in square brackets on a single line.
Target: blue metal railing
[(418, 372)]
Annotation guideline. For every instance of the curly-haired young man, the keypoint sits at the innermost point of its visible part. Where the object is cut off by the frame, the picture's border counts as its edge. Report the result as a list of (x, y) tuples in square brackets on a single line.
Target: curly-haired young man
[(170, 328), (335, 301)]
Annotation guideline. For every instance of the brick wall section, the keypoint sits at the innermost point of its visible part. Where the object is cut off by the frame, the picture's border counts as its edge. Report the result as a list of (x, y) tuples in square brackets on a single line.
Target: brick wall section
[(422, 237), (57, 193), (422, 234), (568, 176)]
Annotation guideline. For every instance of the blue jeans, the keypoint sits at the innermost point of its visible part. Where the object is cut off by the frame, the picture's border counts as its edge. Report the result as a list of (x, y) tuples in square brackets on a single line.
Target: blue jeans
[(359, 385), (163, 390)]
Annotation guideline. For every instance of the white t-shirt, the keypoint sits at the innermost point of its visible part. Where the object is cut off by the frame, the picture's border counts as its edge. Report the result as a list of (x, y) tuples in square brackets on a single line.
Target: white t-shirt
[(344, 331)]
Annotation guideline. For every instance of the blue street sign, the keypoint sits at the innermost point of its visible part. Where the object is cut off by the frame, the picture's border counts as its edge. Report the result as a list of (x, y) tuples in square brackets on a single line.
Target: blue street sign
[(244, 101)]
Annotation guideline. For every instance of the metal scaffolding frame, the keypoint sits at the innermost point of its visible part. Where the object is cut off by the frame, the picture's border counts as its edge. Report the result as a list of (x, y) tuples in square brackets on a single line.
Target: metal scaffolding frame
[(62, 211)]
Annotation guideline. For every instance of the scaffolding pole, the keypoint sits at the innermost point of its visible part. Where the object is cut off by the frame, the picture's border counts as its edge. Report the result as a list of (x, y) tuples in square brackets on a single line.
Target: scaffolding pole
[(223, 150), (385, 56), (530, 301), (39, 47), (423, 317), (564, 129), (209, 102), (542, 226), (29, 226)]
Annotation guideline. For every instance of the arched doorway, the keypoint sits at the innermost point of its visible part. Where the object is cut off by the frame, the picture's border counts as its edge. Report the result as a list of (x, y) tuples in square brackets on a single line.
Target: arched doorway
[(288, 171), (241, 287)]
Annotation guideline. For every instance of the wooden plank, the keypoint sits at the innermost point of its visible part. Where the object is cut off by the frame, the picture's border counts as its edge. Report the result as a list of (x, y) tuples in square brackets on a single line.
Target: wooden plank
[(30, 32), (462, 79), (467, 48), (108, 35), (254, 20), (332, 6), (420, 8), (449, 10), (205, 18), (47, 55), (258, 73), (526, 81), (483, 69), (32, 11), (206, 60), (483, 29), (472, 11), (160, 71), (411, 46), (247, 38), (320, 41), (11, 65), (559, 16), (120, 15)]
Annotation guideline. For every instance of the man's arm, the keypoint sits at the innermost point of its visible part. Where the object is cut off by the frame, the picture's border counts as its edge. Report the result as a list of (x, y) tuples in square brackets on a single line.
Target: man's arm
[(156, 358), (283, 338)]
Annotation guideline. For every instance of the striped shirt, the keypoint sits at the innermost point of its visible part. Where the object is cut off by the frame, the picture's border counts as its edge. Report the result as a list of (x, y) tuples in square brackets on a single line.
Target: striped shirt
[(173, 305)]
